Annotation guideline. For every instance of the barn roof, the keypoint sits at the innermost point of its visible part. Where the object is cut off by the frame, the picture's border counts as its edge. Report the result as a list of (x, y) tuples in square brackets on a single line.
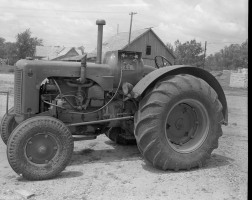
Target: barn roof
[(120, 40)]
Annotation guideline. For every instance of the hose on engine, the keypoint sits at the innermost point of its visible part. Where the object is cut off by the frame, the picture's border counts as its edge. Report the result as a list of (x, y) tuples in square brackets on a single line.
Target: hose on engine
[(86, 113), (117, 89)]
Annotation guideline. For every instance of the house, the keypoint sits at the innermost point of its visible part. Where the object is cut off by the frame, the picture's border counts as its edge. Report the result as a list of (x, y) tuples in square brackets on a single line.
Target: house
[(73, 59), (56, 52), (144, 40)]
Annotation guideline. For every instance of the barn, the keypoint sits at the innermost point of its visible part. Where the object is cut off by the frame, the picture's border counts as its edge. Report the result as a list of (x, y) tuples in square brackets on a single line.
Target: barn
[(144, 40)]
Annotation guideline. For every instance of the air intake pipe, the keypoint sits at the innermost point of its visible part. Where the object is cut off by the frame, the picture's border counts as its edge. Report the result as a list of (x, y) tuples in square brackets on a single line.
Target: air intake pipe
[(100, 23)]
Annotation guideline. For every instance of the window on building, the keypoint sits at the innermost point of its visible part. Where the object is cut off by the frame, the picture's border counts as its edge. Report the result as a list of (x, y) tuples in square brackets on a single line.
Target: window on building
[(148, 50)]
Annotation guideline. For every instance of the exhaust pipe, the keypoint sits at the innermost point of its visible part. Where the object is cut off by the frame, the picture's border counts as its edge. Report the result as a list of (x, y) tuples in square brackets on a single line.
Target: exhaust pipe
[(100, 23)]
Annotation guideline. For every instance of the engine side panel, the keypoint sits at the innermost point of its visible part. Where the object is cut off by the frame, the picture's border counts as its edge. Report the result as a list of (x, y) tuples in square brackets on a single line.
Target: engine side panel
[(30, 73)]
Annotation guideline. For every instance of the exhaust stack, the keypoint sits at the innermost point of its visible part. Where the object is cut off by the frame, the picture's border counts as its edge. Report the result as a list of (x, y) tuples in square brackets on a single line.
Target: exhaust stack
[(100, 23)]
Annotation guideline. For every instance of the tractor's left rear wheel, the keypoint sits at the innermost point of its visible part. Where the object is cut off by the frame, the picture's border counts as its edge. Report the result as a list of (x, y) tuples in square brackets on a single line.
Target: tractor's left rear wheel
[(40, 148)]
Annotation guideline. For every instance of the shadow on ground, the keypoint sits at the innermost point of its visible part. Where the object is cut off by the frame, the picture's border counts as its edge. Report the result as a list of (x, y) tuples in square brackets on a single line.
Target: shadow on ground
[(62, 175), (215, 161), (130, 153), (115, 153)]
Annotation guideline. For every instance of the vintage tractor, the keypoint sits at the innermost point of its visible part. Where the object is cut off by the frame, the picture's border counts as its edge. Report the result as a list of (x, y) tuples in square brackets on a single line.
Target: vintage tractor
[(173, 113)]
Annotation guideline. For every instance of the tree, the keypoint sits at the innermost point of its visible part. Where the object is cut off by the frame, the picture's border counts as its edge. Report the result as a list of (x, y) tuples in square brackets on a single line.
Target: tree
[(8, 51), (230, 57), (244, 53), (170, 47), (11, 52), (26, 44), (2, 41), (190, 52)]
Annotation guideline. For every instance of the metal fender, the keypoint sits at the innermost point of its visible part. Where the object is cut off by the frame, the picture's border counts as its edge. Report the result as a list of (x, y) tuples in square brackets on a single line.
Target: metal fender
[(150, 79)]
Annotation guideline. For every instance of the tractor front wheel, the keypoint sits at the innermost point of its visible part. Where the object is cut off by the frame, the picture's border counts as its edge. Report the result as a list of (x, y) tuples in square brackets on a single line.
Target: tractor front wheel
[(8, 124), (40, 148), (178, 123)]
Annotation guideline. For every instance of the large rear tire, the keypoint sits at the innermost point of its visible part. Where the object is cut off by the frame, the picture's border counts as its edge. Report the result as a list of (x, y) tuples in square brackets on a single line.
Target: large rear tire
[(40, 148), (8, 124), (178, 123)]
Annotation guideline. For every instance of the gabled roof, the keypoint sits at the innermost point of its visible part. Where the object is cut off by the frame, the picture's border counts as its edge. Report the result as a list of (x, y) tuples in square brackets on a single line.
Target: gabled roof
[(73, 58), (48, 52), (163, 43), (120, 41), (52, 52), (64, 51)]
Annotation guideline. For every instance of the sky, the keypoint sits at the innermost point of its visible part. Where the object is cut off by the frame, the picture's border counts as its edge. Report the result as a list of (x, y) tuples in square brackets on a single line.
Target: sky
[(73, 23)]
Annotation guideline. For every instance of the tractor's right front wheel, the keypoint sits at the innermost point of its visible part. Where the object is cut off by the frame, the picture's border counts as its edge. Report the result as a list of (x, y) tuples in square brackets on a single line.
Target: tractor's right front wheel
[(178, 123), (40, 148)]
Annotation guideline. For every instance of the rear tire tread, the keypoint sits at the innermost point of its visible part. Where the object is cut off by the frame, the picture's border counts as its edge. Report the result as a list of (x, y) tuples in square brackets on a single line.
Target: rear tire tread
[(154, 147)]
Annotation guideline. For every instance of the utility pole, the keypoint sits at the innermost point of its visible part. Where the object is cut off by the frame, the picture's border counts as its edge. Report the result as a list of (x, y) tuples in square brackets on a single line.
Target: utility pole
[(117, 29), (132, 13), (205, 54)]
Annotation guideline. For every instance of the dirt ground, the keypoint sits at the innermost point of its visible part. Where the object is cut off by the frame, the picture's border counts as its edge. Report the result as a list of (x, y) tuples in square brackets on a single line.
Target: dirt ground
[(100, 169)]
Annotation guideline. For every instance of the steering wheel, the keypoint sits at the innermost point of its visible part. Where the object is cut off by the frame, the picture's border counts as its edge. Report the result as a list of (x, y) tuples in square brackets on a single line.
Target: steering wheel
[(161, 61)]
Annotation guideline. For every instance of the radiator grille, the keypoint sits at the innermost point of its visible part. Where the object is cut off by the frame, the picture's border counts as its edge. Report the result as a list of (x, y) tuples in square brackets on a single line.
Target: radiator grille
[(18, 91)]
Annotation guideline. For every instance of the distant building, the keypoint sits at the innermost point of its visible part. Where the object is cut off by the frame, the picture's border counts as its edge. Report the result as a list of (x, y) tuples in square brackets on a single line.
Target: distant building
[(56, 52), (73, 59), (144, 40)]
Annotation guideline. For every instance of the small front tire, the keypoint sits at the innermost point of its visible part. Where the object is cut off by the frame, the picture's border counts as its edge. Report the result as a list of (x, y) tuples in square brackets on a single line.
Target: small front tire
[(8, 124), (40, 148)]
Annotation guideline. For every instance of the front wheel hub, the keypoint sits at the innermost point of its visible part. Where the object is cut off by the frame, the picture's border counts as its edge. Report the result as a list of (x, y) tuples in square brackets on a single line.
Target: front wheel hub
[(41, 148)]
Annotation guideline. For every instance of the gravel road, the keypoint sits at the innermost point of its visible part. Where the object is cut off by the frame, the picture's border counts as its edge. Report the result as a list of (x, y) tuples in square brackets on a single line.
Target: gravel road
[(100, 169)]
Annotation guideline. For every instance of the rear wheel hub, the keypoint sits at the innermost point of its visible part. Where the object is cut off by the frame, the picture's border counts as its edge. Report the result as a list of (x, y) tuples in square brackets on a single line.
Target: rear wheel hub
[(187, 125)]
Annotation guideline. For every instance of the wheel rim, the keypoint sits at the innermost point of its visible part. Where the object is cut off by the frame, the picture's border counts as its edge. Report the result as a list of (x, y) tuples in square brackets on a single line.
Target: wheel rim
[(41, 148), (187, 125)]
